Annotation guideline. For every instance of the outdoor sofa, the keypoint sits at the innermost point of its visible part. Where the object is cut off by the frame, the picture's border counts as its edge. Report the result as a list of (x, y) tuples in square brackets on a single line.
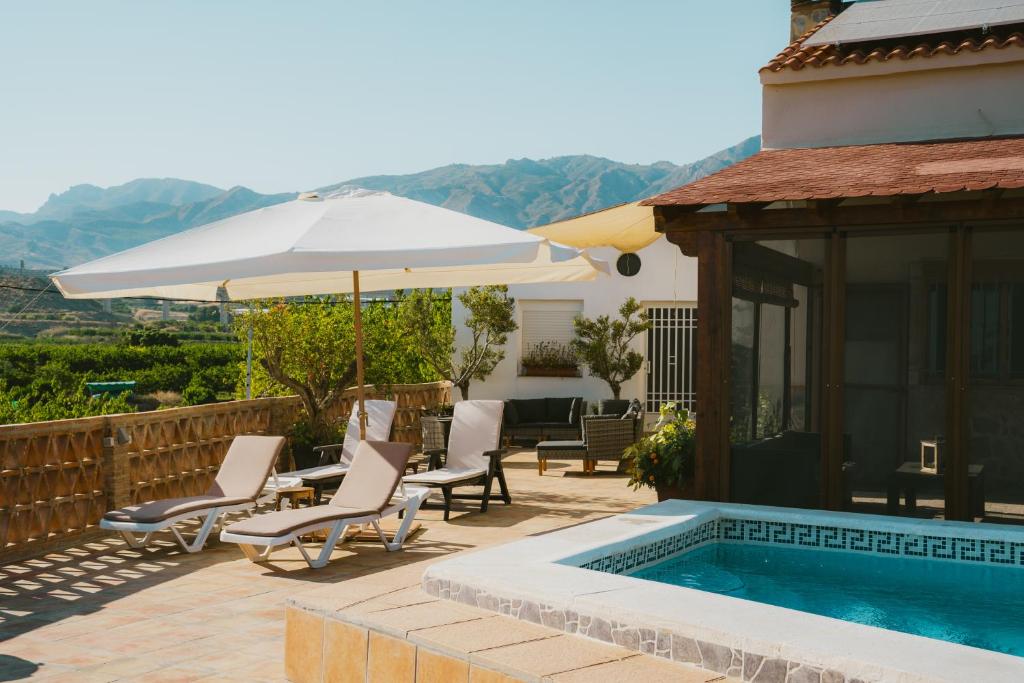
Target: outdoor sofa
[(537, 419)]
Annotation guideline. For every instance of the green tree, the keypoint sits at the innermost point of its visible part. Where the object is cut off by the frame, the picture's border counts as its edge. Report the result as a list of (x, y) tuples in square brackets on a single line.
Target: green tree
[(307, 347), (602, 344), (490, 319)]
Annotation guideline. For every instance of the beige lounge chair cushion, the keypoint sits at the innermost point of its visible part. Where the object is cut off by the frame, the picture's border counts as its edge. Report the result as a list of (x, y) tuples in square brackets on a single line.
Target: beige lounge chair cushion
[(444, 476), (373, 476), (283, 522), (371, 481), (246, 466), (320, 472), (241, 478), (159, 510)]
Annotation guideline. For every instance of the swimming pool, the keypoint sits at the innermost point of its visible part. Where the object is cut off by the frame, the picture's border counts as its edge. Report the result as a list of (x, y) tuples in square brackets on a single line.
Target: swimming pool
[(976, 604), (769, 594)]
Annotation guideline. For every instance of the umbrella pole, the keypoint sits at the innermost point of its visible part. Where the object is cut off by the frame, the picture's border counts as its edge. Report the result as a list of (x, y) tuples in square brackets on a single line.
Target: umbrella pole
[(357, 314)]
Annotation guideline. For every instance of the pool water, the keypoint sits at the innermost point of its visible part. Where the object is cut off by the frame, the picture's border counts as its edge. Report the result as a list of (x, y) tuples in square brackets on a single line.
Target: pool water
[(972, 604)]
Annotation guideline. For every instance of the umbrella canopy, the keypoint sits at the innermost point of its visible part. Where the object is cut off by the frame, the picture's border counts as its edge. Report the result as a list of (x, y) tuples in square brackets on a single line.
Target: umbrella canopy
[(627, 227), (319, 245), (313, 244)]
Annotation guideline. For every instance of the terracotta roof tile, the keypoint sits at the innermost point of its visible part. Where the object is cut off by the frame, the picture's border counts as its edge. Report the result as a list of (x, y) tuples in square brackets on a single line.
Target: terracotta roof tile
[(859, 171), (796, 56)]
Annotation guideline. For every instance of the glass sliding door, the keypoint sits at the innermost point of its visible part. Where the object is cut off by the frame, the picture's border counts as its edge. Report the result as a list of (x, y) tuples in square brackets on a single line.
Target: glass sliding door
[(775, 439), (894, 372), (995, 408)]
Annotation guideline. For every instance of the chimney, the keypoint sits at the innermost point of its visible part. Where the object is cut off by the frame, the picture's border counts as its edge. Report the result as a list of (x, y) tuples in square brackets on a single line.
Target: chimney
[(806, 14)]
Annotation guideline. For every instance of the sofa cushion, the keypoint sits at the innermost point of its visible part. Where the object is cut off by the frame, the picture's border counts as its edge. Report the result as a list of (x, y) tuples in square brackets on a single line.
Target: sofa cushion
[(531, 410), (611, 406), (558, 410), (576, 410), (511, 413)]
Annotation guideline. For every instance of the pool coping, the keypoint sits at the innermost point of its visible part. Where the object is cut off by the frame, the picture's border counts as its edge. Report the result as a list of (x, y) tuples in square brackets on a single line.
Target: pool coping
[(535, 579)]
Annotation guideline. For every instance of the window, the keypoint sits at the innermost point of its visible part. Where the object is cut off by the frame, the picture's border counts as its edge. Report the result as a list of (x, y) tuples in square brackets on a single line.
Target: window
[(996, 331), (547, 321)]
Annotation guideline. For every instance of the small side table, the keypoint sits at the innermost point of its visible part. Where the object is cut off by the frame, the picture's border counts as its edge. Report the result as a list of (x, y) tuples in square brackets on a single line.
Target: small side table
[(294, 495), (907, 476)]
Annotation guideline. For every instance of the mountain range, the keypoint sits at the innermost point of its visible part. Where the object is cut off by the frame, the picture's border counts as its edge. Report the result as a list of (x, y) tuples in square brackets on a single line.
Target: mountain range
[(86, 221)]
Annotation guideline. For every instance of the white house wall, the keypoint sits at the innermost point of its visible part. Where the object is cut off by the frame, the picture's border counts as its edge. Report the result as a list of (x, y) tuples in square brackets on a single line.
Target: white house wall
[(876, 103), (666, 276)]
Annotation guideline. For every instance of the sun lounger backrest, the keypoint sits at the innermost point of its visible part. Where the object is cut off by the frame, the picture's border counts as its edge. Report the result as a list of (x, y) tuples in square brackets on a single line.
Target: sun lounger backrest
[(246, 466), (379, 416), (476, 428), (373, 476)]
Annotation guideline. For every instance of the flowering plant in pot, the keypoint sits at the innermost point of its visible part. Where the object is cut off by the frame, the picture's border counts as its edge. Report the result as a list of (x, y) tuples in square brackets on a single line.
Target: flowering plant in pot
[(550, 359), (664, 460)]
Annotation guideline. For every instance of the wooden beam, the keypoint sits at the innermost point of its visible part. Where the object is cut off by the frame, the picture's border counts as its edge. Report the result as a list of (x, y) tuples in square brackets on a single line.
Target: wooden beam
[(881, 216), (833, 374), (686, 241), (714, 333), (958, 320)]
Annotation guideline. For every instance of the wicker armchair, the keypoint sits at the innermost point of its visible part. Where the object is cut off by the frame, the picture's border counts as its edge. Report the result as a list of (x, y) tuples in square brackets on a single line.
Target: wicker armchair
[(607, 437)]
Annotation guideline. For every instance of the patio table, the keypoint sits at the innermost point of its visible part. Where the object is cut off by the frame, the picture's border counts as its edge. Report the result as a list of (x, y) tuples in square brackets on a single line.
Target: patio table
[(908, 476)]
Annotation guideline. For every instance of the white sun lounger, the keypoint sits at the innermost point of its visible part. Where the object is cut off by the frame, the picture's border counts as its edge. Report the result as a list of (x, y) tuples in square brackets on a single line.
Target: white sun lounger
[(367, 494), (379, 417), (472, 458), (238, 484)]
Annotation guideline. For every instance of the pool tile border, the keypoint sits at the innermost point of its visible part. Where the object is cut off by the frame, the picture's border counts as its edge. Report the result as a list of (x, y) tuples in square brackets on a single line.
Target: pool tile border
[(845, 539)]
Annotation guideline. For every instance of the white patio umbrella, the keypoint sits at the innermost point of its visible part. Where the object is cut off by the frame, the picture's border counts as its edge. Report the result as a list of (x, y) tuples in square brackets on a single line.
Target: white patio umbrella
[(351, 240)]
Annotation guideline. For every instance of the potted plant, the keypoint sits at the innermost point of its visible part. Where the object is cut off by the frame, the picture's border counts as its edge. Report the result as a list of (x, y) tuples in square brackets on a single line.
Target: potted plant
[(604, 344), (550, 359), (664, 460)]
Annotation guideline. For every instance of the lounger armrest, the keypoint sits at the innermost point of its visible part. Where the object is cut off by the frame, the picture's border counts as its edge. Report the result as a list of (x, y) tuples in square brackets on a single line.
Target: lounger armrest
[(325, 452), (434, 455), (495, 457)]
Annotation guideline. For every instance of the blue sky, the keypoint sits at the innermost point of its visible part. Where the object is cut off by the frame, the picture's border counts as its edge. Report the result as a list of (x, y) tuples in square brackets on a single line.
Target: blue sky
[(287, 96)]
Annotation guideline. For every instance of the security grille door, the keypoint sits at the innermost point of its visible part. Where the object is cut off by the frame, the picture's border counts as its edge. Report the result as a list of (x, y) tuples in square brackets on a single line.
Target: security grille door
[(671, 350)]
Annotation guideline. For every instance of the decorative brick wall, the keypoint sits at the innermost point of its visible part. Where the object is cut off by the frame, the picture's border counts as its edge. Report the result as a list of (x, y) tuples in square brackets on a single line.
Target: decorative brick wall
[(58, 478)]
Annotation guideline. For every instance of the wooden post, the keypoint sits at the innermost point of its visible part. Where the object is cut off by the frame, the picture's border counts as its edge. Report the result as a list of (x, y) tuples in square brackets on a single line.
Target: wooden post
[(833, 374), (714, 336), (958, 319), (357, 313)]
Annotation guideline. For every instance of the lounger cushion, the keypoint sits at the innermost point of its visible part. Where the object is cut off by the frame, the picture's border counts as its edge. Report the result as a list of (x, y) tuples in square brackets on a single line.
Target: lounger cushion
[(373, 476), (280, 523), (246, 466), (476, 429), (321, 472), (159, 510), (444, 476)]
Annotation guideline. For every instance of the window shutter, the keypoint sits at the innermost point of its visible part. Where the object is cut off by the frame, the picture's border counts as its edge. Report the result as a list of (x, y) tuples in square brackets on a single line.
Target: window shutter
[(548, 321)]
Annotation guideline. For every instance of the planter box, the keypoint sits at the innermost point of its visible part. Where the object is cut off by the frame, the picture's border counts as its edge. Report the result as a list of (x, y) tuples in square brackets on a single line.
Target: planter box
[(537, 371)]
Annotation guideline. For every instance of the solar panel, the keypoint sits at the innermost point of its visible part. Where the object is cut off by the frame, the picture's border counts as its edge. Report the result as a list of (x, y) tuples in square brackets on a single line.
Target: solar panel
[(882, 19)]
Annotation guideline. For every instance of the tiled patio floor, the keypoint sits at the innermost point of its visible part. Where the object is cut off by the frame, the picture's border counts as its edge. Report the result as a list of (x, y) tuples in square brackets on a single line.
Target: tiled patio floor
[(104, 612)]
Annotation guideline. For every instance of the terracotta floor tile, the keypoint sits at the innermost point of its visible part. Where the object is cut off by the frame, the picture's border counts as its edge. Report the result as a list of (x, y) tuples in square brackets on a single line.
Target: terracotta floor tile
[(129, 610)]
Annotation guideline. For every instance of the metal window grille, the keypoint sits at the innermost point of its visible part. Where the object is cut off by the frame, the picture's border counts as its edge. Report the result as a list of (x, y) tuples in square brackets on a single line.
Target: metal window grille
[(671, 357)]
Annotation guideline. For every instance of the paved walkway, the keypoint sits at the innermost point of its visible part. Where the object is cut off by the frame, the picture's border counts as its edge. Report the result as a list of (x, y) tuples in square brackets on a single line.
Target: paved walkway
[(104, 612)]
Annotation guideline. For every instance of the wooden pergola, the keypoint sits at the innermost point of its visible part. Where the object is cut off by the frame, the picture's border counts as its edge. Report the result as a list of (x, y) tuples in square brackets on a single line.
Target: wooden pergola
[(833, 194)]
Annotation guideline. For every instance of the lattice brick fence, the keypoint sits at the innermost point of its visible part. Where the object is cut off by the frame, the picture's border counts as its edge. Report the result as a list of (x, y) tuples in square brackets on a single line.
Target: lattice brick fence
[(58, 478), (52, 479), (177, 452)]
